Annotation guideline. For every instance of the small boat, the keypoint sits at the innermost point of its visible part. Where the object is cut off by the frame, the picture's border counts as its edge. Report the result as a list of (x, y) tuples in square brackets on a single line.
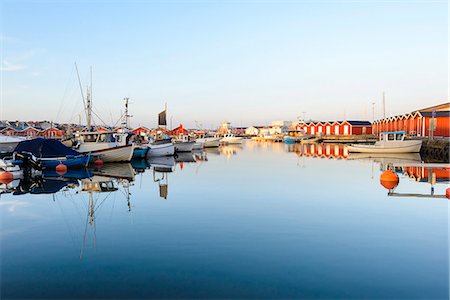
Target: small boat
[(140, 151), (9, 143), (162, 147), (230, 138), (389, 142), (52, 153), (183, 144)]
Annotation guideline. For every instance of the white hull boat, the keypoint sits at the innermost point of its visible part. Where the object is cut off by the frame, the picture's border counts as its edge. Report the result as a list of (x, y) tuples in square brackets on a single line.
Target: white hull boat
[(209, 142), (163, 149), (116, 154), (184, 146), (390, 142), (231, 140)]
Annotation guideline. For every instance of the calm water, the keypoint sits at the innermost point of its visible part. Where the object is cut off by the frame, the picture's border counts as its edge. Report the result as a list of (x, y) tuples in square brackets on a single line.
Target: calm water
[(258, 221)]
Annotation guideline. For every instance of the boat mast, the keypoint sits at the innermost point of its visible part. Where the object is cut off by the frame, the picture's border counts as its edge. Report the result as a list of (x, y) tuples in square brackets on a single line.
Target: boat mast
[(88, 102), (126, 116)]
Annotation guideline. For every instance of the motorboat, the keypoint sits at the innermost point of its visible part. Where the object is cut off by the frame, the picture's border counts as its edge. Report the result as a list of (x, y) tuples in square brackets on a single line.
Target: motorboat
[(107, 146), (183, 144), (230, 138), (52, 152), (389, 142), (9, 143), (162, 147), (209, 142), (197, 145)]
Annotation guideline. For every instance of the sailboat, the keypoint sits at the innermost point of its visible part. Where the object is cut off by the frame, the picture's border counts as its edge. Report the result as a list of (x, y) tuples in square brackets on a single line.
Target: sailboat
[(108, 146)]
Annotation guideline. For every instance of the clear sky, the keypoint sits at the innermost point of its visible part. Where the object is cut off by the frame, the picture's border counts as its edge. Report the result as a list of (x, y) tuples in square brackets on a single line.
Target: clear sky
[(248, 62)]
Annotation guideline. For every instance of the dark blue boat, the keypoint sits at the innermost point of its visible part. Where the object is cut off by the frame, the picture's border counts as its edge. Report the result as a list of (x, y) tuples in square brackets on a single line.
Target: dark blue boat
[(52, 153)]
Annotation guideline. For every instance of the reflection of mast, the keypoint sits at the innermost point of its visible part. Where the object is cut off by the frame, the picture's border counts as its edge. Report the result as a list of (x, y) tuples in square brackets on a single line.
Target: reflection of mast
[(91, 221)]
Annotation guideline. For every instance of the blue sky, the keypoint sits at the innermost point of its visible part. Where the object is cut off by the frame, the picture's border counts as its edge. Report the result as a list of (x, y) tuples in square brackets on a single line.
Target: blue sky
[(249, 62)]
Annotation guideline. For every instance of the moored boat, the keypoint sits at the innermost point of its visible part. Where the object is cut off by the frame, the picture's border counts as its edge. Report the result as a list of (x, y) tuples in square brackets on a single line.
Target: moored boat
[(163, 147), (230, 138), (52, 153), (107, 146), (389, 142)]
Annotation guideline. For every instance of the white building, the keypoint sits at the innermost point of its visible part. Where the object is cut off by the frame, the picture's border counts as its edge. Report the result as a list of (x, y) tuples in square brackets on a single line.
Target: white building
[(252, 130)]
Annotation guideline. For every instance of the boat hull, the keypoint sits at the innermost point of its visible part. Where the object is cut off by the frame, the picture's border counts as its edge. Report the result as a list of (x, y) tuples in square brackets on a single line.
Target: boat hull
[(184, 146), (402, 147), (70, 162), (166, 149), (209, 142), (115, 154), (232, 140)]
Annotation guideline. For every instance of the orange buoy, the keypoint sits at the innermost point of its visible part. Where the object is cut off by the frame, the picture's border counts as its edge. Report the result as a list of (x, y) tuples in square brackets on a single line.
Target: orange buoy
[(98, 162), (61, 169), (389, 179), (447, 193), (6, 177)]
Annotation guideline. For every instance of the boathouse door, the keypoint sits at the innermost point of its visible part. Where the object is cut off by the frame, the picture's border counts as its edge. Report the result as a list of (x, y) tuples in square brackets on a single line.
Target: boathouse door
[(346, 129)]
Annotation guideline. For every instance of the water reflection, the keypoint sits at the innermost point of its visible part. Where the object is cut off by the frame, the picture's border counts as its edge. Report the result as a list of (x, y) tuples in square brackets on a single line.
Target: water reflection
[(247, 204)]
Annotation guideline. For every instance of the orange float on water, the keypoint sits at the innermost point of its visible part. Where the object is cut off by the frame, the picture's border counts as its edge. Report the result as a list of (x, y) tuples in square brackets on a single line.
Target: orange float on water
[(447, 193), (389, 179), (98, 162), (61, 169), (6, 177)]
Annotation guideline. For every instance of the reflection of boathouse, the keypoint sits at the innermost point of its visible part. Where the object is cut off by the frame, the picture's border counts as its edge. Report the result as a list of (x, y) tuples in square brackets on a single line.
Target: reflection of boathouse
[(431, 175), (333, 151)]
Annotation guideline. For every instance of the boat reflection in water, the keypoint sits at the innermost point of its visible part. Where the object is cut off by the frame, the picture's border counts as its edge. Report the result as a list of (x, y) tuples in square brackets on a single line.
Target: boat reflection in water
[(161, 167)]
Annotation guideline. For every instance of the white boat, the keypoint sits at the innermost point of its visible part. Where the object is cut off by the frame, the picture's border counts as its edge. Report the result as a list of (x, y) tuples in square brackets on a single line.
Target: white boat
[(389, 142), (107, 146), (183, 144), (162, 164), (161, 148), (230, 138), (9, 143)]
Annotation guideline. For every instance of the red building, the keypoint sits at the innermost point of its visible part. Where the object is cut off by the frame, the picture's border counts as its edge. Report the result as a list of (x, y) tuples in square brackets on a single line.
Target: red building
[(337, 128), (141, 130), (52, 132), (419, 122), (179, 130)]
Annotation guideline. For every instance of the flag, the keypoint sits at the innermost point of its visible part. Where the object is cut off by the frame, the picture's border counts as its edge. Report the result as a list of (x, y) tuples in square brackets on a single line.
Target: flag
[(162, 118)]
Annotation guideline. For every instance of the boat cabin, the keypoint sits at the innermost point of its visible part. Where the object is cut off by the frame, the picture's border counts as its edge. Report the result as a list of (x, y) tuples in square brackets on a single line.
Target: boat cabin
[(391, 136), (104, 137)]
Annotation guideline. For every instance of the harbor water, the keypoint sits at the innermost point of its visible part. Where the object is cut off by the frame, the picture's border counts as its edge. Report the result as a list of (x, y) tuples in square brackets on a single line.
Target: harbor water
[(257, 220)]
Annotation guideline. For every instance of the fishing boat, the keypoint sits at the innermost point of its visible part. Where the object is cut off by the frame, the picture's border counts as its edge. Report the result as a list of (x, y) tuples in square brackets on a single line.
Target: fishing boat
[(389, 142), (107, 146), (230, 138), (9, 143), (208, 142), (163, 147), (52, 153)]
